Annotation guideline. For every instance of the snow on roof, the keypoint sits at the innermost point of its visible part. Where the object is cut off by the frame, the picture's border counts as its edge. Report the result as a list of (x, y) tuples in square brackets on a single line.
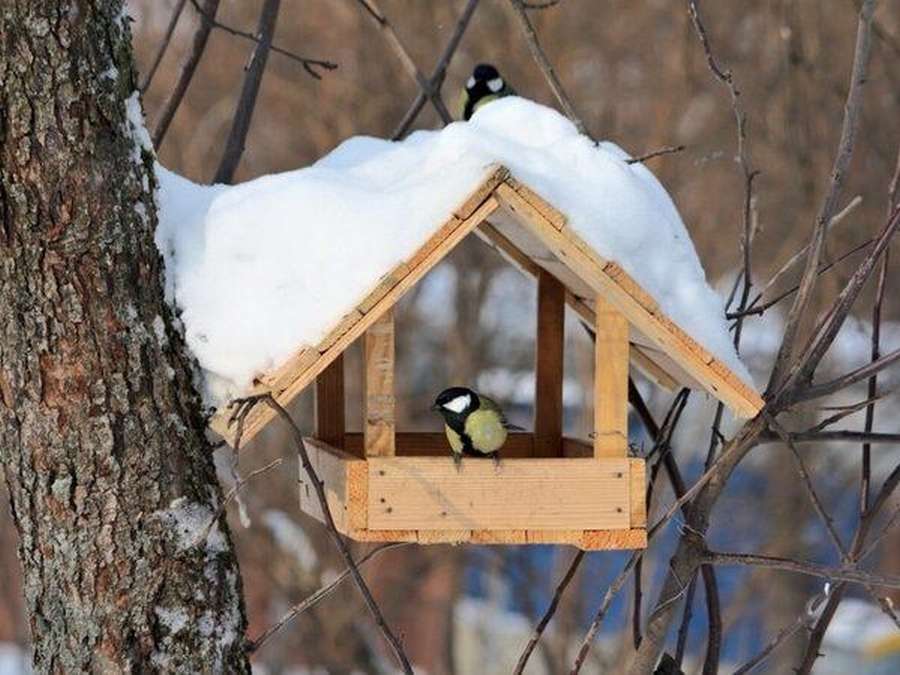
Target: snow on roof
[(260, 269)]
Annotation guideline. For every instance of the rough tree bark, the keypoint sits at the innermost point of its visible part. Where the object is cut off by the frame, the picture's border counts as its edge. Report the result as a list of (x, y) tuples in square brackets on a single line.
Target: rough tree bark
[(102, 438)]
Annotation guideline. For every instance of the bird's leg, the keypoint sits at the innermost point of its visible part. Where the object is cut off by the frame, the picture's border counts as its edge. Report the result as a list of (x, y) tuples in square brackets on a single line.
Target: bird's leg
[(457, 461), (496, 457)]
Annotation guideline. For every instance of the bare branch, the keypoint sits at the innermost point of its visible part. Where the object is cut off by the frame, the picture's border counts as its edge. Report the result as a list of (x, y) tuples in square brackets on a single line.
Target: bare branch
[(854, 376), (163, 45), (387, 29), (784, 634), (309, 65), (844, 154), (608, 597), (537, 52), (313, 599), (243, 114), (548, 613), (667, 150), (188, 68), (440, 71), (339, 542), (803, 567)]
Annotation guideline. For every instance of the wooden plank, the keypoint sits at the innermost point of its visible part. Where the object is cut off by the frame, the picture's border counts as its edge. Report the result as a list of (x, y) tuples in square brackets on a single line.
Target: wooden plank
[(330, 423), (610, 381), (383, 536), (434, 444), (429, 493), (300, 380), (650, 369), (547, 210), (482, 192), (343, 477), (548, 391), (609, 540), (575, 447), (378, 359), (443, 536), (569, 248), (638, 492), (504, 537), (345, 324), (384, 285)]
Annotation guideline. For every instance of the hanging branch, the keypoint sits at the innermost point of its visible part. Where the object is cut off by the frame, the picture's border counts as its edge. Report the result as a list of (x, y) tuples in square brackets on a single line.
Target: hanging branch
[(440, 71), (537, 52), (188, 68), (339, 542), (163, 46), (243, 114)]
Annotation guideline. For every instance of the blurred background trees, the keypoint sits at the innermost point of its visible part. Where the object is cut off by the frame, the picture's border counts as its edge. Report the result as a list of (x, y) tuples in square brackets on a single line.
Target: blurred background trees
[(638, 76)]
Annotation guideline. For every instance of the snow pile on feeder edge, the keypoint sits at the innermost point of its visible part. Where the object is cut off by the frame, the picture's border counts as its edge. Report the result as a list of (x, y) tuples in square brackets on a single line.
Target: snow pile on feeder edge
[(259, 269)]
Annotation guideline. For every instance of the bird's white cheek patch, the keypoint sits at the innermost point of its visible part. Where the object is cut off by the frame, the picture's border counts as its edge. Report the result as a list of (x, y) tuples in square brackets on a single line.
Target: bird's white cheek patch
[(458, 404), (496, 84), (470, 83)]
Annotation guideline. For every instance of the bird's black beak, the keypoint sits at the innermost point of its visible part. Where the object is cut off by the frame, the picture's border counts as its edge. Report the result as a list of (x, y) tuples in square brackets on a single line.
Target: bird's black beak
[(435, 407)]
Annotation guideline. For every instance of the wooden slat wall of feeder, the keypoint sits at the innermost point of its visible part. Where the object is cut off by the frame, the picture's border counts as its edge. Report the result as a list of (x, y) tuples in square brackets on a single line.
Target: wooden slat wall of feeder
[(389, 485)]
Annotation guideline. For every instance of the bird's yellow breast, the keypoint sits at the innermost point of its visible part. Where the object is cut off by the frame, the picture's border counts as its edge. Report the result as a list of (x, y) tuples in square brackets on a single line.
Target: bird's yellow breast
[(485, 428)]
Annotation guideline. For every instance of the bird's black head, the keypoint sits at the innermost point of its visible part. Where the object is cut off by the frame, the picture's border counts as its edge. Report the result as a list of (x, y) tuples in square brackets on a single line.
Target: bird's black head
[(485, 81), (455, 404)]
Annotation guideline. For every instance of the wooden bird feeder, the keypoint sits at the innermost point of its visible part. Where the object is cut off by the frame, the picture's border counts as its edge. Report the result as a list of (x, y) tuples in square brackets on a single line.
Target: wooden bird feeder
[(549, 489)]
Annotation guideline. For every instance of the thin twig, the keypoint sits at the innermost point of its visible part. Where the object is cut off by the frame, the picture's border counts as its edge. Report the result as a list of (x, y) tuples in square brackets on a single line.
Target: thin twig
[(163, 45), (540, 58), (387, 29), (667, 150), (807, 568), (846, 380), (243, 113), (188, 68), (785, 633), (309, 64), (339, 542), (753, 308), (849, 126), (548, 613), (608, 597), (316, 597), (440, 71)]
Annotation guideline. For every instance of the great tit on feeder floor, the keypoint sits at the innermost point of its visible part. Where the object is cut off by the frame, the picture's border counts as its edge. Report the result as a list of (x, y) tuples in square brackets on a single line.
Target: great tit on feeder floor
[(475, 425), (485, 85)]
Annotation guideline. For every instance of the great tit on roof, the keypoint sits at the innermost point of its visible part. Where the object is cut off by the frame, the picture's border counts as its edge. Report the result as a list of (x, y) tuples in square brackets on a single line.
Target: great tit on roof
[(485, 85), (475, 425)]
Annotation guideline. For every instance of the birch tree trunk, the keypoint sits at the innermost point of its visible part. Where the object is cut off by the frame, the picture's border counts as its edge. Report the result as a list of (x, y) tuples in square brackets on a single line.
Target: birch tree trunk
[(102, 439)]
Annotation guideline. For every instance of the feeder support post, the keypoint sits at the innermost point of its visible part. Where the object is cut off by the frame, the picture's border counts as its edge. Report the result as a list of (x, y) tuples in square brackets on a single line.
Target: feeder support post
[(610, 381), (330, 404), (380, 402), (549, 344)]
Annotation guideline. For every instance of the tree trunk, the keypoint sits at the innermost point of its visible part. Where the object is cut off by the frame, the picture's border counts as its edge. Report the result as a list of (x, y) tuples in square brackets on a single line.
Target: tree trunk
[(102, 439)]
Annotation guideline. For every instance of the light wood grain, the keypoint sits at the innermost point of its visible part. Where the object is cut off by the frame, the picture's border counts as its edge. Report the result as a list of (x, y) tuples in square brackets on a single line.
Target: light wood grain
[(378, 360), (610, 381), (638, 492), (582, 259), (427, 493), (301, 379), (342, 476)]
